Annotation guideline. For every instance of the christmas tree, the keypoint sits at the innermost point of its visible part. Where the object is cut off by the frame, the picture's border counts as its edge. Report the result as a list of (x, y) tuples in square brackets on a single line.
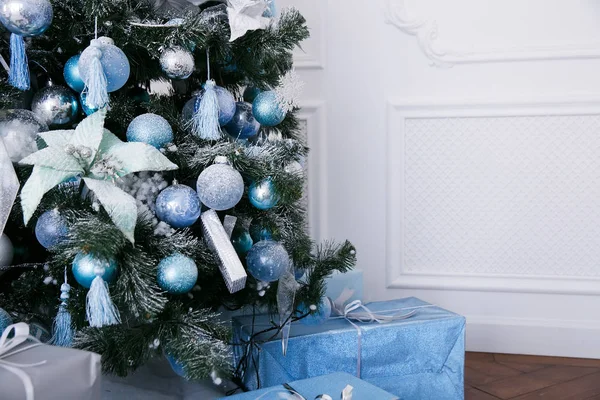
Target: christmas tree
[(132, 215)]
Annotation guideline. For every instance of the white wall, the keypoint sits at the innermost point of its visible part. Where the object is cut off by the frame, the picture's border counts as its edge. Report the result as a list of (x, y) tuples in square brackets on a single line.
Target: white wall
[(472, 183)]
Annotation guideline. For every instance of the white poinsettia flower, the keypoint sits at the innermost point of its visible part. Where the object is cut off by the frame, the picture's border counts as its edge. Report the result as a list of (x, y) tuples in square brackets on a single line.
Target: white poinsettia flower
[(246, 15), (100, 159)]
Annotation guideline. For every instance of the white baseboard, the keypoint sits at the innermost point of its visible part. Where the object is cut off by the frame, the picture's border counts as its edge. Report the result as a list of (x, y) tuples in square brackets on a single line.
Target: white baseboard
[(563, 338)]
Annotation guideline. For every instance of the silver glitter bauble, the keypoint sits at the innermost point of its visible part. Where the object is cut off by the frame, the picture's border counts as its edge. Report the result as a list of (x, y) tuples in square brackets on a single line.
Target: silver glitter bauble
[(294, 167), (177, 63), (55, 105), (19, 131), (220, 186), (26, 17), (6, 251)]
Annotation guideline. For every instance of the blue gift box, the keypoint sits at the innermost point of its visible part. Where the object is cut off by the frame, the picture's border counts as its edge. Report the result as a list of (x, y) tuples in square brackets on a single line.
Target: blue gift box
[(421, 357), (332, 384)]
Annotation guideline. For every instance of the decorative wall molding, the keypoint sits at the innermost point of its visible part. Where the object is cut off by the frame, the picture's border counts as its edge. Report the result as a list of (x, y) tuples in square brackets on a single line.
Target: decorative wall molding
[(313, 56), (520, 149), (312, 113), (426, 32), (544, 337)]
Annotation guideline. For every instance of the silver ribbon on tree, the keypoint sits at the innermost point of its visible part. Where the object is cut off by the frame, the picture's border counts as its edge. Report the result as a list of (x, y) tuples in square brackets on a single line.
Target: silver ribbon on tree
[(9, 185)]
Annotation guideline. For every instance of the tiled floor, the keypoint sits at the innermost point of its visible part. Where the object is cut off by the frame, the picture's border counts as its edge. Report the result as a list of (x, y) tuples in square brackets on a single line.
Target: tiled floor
[(501, 376)]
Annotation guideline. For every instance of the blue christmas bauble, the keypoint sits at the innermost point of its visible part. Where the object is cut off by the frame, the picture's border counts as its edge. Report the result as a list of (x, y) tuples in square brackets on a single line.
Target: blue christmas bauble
[(241, 240), (40, 332), (177, 274), (318, 313), (85, 107), (55, 105), (114, 63), (26, 17), (259, 231), (299, 273), (267, 260), (250, 93), (87, 265), (243, 124), (5, 320), (51, 229), (227, 105), (72, 75), (220, 187), (178, 206), (176, 365), (266, 109), (151, 129), (262, 195)]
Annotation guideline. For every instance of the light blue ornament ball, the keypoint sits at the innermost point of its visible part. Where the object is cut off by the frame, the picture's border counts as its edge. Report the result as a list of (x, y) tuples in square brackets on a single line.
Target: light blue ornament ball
[(114, 63), (266, 109), (262, 195), (5, 320), (177, 274), (151, 129), (241, 240), (87, 265), (267, 260), (178, 206), (250, 93), (85, 107), (318, 316), (227, 105), (220, 187), (72, 75), (243, 124), (259, 231), (51, 229), (26, 17)]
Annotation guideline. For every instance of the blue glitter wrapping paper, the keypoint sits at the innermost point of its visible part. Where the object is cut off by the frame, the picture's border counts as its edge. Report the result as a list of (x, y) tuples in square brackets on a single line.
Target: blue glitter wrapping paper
[(331, 384), (421, 357)]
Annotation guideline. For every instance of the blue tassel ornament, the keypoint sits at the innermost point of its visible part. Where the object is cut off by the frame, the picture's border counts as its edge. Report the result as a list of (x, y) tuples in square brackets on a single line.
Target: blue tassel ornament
[(97, 84), (62, 334), (205, 122), (19, 69), (99, 307)]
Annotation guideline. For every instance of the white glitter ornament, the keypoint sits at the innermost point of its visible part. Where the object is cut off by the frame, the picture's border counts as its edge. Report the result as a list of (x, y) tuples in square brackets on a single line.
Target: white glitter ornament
[(19, 131), (220, 186), (177, 63)]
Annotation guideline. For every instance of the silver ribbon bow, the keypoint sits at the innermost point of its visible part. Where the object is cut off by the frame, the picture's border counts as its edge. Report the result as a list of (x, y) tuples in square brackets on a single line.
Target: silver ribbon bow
[(7, 346), (9, 185), (351, 313)]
